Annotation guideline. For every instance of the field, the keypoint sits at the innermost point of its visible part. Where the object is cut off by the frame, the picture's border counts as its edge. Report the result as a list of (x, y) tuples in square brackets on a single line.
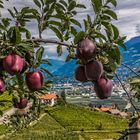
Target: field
[(73, 123), (5, 101)]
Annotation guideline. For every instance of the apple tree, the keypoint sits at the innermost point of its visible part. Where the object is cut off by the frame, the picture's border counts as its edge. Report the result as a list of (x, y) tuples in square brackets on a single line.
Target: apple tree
[(94, 43)]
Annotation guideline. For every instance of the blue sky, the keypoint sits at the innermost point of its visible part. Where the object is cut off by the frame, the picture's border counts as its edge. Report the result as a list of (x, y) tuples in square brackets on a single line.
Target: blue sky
[(128, 19)]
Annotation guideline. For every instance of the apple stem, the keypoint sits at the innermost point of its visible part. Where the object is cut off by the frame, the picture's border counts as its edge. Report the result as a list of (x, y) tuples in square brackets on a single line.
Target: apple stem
[(130, 99)]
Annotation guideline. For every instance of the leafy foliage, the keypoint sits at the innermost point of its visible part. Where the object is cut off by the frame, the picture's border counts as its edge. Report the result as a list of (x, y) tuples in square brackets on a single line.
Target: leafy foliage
[(59, 17)]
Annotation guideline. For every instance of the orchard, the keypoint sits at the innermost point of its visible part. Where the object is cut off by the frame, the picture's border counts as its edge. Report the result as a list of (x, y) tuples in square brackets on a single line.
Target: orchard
[(94, 44)]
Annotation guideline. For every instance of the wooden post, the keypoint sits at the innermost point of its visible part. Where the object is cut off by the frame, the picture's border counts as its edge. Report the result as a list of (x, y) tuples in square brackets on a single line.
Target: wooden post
[(135, 131)]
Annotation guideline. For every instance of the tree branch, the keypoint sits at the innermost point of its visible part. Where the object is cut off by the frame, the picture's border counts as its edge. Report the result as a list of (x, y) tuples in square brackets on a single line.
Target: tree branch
[(130, 69), (130, 99), (49, 41)]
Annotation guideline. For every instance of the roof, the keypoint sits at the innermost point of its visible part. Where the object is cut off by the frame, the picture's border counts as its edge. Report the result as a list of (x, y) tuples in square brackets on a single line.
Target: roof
[(49, 96), (104, 109)]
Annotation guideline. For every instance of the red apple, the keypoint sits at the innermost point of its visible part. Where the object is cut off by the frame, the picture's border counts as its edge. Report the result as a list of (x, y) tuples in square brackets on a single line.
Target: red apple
[(80, 74), (23, 103), (94, 70), (86, 49), (13, 64), (2, 85), (34, 80), (103, 88)]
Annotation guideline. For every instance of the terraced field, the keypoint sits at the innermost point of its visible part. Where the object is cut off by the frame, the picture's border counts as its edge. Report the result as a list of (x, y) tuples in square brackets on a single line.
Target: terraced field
[(5, 101), (73, 123)]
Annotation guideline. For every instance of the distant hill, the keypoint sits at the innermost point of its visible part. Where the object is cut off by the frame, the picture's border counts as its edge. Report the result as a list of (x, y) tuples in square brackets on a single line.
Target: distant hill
[(66, 70)]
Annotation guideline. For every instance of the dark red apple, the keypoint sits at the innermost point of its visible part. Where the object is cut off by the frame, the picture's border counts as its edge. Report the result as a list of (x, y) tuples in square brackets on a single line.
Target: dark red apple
[(94, 70), (103, 88), (13, 64), (80, 74), (23, 103), (86, 49), (2, 85), (34, 80)]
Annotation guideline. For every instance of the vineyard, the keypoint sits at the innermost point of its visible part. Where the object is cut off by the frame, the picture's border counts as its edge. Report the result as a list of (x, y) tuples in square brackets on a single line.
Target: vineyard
[(73, 123), (5, 101)]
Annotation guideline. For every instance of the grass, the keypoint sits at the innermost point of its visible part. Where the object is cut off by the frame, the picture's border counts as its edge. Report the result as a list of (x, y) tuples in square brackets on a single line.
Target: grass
[(73, 123), (5, 101)]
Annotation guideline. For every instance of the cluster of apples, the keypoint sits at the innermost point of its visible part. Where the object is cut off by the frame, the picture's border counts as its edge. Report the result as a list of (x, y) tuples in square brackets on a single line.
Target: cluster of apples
[(14, 65), (93, 70)]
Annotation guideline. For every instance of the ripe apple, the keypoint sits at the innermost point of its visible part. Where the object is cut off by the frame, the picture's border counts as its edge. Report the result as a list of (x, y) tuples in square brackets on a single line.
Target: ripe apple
[(94, 70), (86, 49), (103, 88), (2, 85), (80, 74), (34, 80), (23, 103), (13, 64)]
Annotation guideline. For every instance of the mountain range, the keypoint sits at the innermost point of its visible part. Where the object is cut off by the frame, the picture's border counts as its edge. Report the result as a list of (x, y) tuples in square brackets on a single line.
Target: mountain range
[(131, 57)]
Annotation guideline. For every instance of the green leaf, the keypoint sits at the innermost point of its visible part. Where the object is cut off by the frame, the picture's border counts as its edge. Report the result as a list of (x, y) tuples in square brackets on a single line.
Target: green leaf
[(121, 43), (28, 34), (60, 6), (14, 35), (57, 32), (2, 27), (68, 58), (11, 13), (108, 27), (81, 6), (59, 50), (26, 47), (39, 54), (16, 11), (64, 3), (116, 31), (72, 5), (45, 61), (114, 2), (74, 21), (37, 3), (53, 22), (73, 30), (47, 71), (110, 13), (6, 21), (79, 37), (97, 5)]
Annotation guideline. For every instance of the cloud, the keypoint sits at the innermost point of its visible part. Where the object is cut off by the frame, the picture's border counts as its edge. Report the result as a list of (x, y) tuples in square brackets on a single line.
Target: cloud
[(128, 19)]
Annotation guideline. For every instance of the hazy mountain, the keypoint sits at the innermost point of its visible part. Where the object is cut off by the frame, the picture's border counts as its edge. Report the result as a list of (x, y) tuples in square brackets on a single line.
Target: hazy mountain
[(55, 65), (67, 70)]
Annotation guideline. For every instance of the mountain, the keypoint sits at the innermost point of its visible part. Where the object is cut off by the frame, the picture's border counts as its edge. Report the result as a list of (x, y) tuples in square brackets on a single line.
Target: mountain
[(66, 70), (131, 57), (55, 65)]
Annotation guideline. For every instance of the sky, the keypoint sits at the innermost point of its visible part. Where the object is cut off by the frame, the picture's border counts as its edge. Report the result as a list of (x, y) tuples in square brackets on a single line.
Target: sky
[(128, 22)]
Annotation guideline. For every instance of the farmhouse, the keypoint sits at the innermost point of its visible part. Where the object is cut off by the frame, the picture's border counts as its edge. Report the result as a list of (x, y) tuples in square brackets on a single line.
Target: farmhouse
[(49, 99)]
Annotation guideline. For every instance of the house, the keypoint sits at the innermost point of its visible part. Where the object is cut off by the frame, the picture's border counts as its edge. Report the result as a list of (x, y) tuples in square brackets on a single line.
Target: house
[(49, 99)]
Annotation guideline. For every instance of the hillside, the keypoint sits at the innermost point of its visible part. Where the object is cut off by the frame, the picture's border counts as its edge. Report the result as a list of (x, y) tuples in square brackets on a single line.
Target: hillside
[(73, 123)]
